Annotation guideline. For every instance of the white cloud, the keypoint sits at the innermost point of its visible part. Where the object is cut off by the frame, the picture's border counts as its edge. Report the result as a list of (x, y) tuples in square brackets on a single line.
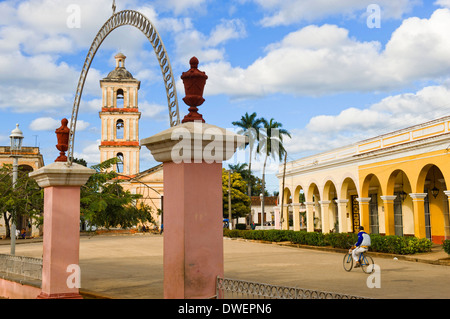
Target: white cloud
[(90, 153), (285, 12), (325, 132), (181, 6), (207, 48), (51, 124), (443, 3), (320, 60), (154, 111)]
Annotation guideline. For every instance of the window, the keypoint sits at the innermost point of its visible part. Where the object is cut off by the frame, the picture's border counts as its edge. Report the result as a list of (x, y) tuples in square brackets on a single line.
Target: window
[(120, 126), (120, 98), (119, 164)]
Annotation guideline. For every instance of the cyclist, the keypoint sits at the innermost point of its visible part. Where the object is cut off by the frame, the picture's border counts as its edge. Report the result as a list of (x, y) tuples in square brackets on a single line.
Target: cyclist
[(361, 246)]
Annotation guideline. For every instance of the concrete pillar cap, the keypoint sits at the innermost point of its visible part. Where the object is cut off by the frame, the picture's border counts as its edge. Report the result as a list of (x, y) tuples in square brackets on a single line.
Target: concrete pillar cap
[(60, 174)]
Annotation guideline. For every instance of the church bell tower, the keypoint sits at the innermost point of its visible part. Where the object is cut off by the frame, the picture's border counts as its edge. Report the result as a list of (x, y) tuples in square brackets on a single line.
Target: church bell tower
[(120, 119)]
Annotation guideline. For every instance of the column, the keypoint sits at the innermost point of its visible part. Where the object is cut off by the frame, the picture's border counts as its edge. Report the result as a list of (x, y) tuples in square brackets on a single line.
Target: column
[(419, 214), (364, 212), (277, 214), (61, 238), (324, 206), (388, 203), (342, 215), (285, 220), (447, 217), (310, 216), (296, 216)]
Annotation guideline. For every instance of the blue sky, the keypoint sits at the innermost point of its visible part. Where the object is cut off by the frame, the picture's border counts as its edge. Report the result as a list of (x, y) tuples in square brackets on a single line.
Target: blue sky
[(316, 66)]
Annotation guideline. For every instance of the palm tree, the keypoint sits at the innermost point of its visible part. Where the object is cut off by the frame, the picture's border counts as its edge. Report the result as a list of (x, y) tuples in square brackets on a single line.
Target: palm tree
[(271, 145), (250, 126)]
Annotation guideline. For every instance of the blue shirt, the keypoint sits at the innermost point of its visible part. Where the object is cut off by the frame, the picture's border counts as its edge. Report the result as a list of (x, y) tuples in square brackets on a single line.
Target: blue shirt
[(363, 239)]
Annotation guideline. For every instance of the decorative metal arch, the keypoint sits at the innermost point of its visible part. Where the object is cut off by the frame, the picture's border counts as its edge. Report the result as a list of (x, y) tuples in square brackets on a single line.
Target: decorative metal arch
[(138, 20)]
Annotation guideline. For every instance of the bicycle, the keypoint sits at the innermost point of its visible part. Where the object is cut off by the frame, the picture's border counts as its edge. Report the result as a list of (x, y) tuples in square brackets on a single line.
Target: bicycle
[(365, 261)]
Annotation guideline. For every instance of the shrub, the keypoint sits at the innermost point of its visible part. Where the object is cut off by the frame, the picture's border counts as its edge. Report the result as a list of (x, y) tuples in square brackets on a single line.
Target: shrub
[(341, 240), (446, 246), (386, 244)]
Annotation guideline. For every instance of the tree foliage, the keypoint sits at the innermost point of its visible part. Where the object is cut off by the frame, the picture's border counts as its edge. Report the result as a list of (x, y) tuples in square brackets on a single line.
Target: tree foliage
[(25, 198), (104, 202), (240, 202)]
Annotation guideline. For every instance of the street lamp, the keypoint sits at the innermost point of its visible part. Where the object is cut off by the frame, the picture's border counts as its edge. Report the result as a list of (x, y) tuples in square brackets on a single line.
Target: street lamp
[(16, 138)]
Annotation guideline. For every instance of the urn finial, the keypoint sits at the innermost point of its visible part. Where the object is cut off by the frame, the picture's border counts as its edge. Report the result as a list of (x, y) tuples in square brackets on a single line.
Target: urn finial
[(194, 82)]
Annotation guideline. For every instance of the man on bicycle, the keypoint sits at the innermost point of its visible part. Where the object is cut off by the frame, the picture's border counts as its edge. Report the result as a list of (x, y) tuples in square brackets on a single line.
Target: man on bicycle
[(361, 246)]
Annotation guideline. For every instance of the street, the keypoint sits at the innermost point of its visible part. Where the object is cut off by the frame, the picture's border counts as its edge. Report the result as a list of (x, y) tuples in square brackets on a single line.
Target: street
[(131, 266)]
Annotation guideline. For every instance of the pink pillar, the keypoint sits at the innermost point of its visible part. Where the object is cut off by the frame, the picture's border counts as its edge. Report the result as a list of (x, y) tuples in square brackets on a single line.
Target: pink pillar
[(61, 185), (193, 244), (193, 213), (192, 153)]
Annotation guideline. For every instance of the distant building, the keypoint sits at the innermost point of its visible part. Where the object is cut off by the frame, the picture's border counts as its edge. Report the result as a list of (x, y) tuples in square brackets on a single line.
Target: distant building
[(30, 159), (393, 184), (270, 204)]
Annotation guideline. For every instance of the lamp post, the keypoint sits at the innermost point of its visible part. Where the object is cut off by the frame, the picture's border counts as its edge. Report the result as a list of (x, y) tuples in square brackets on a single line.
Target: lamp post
[(261, 197), (229, 200), (16, 138)]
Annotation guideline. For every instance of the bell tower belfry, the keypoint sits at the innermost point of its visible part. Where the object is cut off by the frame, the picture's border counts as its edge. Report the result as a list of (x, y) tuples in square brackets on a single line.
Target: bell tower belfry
[(120, 118)]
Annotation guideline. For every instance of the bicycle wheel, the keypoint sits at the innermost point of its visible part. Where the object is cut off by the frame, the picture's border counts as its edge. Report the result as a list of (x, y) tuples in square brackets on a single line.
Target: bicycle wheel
[(348, 262), (367, 264)]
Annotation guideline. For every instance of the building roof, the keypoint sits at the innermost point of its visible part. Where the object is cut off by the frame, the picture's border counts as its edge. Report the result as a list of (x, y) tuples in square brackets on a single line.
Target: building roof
[(119, 74), (268, 200)]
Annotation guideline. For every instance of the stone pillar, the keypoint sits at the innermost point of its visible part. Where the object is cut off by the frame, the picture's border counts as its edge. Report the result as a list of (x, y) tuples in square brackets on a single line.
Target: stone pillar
[(277, 214), (192, 154), (61, 185), (193, 239), (388, 203), (310, 216), (447, 217), (324, 207), (364, 212), (419, 214), (342, 215), (296, 216)]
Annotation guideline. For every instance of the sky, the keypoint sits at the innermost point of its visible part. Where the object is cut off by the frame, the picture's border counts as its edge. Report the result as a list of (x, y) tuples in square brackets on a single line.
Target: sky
[(332, 72)]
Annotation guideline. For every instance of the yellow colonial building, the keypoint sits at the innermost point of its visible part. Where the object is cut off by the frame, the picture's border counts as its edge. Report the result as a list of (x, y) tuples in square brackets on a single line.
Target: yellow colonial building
[(393, 184)]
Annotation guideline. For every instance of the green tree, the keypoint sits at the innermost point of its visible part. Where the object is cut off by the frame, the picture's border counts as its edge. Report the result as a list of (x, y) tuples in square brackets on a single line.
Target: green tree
[(240, 202), (271, 145), (255, 182), (250, 126), (24, 199), (105, 203)]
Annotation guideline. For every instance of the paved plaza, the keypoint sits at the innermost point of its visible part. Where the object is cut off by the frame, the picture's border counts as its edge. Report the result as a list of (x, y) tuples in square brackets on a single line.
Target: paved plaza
[(131, 267)]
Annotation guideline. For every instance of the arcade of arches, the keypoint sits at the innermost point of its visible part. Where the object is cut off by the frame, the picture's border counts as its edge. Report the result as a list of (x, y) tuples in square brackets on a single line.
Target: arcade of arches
[(394, 184)]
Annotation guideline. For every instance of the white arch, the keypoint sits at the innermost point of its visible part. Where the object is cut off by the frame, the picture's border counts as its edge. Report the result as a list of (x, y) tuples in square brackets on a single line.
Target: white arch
[(138, 20)]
